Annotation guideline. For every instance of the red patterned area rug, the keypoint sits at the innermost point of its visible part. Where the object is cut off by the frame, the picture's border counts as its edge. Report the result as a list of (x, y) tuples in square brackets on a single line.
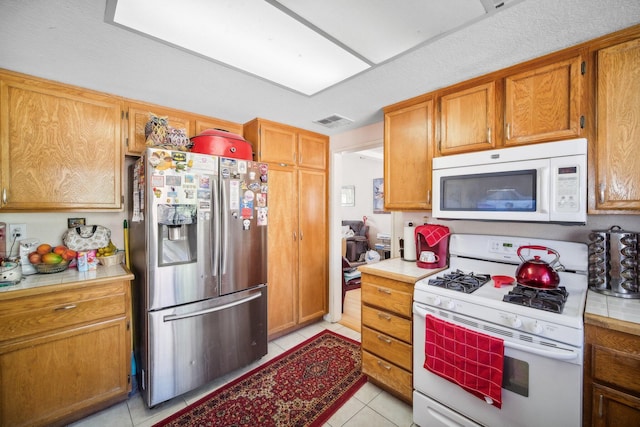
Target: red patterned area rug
[(302, 387)]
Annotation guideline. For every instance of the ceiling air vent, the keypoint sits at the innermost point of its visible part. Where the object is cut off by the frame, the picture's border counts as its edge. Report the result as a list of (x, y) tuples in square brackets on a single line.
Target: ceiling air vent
[(334, 121)]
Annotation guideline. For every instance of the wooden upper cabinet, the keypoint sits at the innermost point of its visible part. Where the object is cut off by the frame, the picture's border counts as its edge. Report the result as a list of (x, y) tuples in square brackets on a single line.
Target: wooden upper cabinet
[(468, 118), (60, 146), (193, 124), (138, 115), (408, 150), (313, 150), (286, 145), (617, 136), (544, 104), (204, 124)]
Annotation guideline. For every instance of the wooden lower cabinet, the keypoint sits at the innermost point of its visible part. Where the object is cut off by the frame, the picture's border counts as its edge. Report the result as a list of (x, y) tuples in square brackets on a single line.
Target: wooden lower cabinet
[(387, 334), (64, 353), (612, 376)]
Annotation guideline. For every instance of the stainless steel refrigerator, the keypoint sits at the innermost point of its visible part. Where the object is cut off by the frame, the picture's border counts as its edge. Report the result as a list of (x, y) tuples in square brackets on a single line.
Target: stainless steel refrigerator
[(198, 241)]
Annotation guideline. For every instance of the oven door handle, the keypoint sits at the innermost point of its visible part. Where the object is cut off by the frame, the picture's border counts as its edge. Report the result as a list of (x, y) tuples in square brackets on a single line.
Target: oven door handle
[(551, 354)]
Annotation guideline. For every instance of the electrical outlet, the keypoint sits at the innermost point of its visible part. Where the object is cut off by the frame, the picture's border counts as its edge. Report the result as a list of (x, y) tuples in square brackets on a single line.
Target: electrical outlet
[(17, 232)]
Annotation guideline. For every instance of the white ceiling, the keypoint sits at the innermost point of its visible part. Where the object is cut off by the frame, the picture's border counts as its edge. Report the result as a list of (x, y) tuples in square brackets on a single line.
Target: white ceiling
[(72, 42)]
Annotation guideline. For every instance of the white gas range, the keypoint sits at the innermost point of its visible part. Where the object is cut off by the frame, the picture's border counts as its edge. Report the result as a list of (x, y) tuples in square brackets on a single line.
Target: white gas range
[(542, 363)]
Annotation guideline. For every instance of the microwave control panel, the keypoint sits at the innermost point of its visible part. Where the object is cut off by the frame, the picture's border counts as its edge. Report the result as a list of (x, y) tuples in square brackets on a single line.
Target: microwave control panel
[(567, 188)]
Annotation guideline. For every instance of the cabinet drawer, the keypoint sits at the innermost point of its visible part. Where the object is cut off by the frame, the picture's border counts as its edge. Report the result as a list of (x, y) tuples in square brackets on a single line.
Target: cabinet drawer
[(36, 314), (388, 298), (615, 367), (388, 348), (396, 379), (386, 322)]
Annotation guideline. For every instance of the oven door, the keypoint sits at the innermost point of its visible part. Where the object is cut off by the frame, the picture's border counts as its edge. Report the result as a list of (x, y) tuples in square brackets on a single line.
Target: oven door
[(542, 384)]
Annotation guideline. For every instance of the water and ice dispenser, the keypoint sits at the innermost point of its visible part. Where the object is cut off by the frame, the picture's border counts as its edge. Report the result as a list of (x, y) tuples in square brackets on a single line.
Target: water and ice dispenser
[(177, 233)]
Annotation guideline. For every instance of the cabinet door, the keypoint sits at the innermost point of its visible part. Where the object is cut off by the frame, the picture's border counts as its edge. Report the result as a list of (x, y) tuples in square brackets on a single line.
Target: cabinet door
[(313, 151), (51, 378), (313, 238), (612, 408), (204, 124), (467, 120), (408, 152), (277, 144), (283, 249), (60, 147), (138, 115), (543, 104), (617, 164)]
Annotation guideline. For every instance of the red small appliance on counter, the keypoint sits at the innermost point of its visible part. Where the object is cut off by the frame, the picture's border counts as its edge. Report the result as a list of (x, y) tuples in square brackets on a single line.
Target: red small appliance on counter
[(433, 238), (221, 143)]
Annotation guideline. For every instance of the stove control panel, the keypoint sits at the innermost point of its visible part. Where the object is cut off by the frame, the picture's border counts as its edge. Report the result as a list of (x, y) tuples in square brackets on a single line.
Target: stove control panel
[(508, 249)]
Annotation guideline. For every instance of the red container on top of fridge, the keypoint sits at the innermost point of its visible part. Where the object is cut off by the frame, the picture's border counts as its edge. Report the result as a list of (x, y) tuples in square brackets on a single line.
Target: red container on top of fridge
[(222, 143)]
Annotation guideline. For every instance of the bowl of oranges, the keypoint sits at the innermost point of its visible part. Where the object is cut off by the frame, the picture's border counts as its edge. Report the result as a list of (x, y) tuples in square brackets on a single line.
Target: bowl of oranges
[(49, 259)]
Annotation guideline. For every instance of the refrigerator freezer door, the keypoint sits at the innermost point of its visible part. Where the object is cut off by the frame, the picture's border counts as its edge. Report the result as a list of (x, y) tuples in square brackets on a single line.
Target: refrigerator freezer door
[(193, 344), (243, 225)]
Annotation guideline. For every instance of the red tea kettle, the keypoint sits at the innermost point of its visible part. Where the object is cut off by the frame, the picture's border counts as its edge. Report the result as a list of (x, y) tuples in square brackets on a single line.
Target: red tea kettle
[(537, 273)]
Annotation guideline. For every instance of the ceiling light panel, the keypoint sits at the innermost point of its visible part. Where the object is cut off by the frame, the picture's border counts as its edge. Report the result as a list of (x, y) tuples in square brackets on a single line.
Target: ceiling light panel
[(250, 35), (381, 29)]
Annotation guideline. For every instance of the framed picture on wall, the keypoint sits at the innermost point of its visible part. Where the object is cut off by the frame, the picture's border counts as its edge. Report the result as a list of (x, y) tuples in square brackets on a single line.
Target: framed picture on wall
[(348, 195), (378, 196)]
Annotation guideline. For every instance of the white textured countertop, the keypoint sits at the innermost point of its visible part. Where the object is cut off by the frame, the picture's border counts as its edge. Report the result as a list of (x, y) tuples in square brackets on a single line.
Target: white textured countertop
[(398, 269), (625, 309), (70, 276)]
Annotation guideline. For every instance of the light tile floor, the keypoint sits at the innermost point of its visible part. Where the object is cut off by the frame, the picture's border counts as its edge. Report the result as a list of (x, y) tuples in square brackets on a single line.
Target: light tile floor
[(370, 406)]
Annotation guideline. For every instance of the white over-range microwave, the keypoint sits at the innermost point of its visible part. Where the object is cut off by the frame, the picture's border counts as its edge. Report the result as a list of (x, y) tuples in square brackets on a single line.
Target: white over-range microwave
[(544, 182)]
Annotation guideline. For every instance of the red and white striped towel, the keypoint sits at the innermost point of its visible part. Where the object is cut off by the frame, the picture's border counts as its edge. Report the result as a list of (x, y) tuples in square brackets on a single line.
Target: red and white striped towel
[(472, 360)]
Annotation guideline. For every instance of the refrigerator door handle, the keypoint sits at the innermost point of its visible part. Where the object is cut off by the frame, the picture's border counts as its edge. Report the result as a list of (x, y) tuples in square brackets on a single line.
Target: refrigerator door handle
[(215, 238), (172, 317)]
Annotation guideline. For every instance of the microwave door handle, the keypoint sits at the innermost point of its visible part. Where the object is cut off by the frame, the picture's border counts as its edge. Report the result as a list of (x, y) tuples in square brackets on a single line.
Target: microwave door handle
[(544, 188)]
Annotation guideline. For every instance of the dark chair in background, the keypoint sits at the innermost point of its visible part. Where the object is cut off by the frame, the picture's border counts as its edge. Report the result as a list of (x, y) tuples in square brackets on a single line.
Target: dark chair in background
[(351, 283), (358, 244)]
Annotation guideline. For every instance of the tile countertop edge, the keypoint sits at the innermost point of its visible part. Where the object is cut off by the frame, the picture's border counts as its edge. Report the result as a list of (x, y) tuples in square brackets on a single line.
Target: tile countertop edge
[(398, 269), (620, 314), (69, 279)]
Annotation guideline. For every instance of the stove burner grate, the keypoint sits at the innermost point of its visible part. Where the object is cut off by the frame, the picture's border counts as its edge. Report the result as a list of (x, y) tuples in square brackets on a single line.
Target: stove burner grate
[(543, 299), (460, 281)]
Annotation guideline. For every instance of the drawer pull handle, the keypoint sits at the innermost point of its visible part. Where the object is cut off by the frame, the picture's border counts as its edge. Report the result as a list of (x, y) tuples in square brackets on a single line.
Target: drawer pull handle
[(384, 365), (66, 307), (385, 316), (384, 339), (384, 291)]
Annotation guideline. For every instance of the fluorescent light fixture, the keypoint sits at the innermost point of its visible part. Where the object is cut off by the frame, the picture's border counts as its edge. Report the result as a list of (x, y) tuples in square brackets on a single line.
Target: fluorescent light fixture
[(250, 35), (303, 45)]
